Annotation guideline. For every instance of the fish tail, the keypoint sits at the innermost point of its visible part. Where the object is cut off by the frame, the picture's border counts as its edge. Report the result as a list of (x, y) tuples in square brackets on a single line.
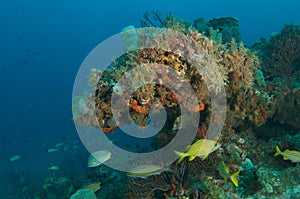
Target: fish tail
[(278, 152), (181, 155), (234, 178)]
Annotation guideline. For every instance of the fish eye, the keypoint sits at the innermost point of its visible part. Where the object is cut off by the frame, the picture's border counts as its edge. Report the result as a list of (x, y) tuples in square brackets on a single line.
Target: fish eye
[(216, 144)]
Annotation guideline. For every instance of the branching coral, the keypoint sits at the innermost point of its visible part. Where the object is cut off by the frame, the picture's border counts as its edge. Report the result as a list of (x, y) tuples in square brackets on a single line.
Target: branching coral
[(228, 27), (280, 61), (165, 185), (152, 19), (280, 54), (145, 188)]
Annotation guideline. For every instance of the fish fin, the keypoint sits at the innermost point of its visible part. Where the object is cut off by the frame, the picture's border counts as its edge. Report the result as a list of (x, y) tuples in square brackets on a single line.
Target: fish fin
[(192, 158), (169, 169), (188, 147), (226, 168), (204, 157), (234, 178), (181, 156), (144, 177), (285, 158), (278, 152)]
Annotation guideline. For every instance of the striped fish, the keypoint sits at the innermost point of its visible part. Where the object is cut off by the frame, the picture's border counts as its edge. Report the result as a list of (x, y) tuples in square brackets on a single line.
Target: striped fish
[(291, 155), (201, 148), (225, 173), (144, 171)]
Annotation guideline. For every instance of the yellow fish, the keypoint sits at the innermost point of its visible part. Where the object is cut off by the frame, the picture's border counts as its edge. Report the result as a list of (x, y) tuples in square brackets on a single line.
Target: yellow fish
[(225, 173), (93, 186), (144, 171), (201, 148), (291, 155)]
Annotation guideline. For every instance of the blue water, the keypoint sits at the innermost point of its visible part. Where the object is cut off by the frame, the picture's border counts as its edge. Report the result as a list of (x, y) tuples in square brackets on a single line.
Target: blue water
[(44, 42)]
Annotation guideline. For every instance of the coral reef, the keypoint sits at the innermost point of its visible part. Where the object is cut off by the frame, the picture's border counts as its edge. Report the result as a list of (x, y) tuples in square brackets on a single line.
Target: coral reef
[(280, 61), (228, 27), (262, 111), (280, 54), (236, 63), (262, 85)]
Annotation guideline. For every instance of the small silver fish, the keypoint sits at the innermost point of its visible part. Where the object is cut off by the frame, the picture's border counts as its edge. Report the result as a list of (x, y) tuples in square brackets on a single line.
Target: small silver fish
[(59, 144), (53, 168), (51, 150), (98, 157), (14, 158)]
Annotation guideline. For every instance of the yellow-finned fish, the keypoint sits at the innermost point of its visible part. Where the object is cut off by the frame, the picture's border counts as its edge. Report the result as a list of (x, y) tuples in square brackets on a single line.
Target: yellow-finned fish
[(201, 148), (93, 186), (225, 173), (291, 155), (144, 171)]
